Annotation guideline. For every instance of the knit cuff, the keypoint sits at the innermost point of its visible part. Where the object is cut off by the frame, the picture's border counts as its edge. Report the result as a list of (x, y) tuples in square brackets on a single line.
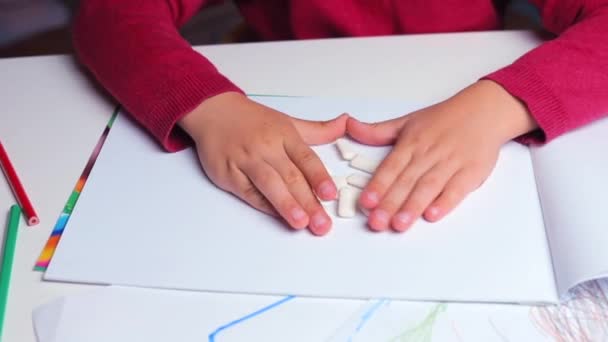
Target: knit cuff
[(523, 83), (181, 98)]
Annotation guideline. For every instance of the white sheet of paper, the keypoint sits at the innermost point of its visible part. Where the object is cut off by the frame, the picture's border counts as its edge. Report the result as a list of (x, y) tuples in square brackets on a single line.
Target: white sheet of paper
[(122, 314), (47, 318), (424, 321), (572, 181), (149, 218), (581, 317)]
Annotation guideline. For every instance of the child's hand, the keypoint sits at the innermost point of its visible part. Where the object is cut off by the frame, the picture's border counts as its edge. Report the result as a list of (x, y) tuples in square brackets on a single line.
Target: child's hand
[(441, 153), (262, 156)]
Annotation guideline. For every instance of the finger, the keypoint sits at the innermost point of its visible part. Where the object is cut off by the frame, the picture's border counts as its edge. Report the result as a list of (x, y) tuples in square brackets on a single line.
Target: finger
[(319, 222), (396, 193), (386, 174), (271, 185), (457, 188), (312, 168), (427, 188), (242, 187), (379, 133), (321, 132)]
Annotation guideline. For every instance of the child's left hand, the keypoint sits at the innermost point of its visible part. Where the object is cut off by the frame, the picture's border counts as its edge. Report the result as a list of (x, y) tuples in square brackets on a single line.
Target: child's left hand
[(441, 154)]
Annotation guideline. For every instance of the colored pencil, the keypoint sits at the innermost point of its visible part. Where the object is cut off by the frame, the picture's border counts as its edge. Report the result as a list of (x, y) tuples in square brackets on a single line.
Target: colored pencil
[(10, 241), (18, 189)]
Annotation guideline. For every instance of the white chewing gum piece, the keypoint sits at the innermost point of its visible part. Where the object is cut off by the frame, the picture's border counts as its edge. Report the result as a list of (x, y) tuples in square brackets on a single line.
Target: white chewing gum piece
[(339, 181), (347, 202), (358, 180), (346, 149), (360, 162)]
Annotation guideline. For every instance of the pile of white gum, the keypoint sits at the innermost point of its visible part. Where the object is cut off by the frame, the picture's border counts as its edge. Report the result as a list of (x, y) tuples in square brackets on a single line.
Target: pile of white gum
[(349, 187)]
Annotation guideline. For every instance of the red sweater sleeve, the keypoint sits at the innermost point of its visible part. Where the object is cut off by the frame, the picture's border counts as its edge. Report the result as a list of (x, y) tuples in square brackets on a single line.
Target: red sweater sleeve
[(122, 41), (564, 82)]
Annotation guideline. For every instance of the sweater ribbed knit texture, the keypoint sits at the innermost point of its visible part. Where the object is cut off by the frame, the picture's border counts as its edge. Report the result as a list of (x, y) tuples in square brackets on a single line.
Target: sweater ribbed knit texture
[(134, 49)]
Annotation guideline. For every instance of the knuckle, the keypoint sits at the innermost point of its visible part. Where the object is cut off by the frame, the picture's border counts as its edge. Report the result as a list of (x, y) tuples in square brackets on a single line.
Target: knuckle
[(474, 178), (456, 160), (400, 189), (253, 196), (310, 206), (261, 178), (378, 184), (264, 179), (392, 165), (266, 141), (292, 177), (382, 182), (420, 199), (247, 149), (415, 205), (264, 203), (250, 192), (405, 182), (430, 182), (422, 153), (453, 195), (231, 169), (413, 137), (308, 156), (391, 204), (257, 146)]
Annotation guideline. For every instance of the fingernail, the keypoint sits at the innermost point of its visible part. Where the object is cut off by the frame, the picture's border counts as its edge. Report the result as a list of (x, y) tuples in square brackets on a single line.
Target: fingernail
[(327, 190), (318, 220), (370, 199), (433, 212), (298, 214), (379, 219), (401, 221)]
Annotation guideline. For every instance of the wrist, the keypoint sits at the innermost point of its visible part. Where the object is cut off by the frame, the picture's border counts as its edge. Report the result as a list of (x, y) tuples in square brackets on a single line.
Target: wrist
[(195, 121), (507, 116)]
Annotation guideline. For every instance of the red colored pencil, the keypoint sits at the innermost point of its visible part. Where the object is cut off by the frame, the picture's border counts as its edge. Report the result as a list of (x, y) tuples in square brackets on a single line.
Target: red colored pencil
[(18, 189)]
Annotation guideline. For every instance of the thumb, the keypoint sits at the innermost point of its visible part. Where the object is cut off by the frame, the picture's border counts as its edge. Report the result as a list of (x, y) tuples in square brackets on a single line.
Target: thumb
[(379, 133), (321, 132)]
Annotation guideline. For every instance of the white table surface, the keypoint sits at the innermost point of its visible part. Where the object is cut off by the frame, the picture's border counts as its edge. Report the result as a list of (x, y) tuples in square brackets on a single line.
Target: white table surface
[(52, 115)]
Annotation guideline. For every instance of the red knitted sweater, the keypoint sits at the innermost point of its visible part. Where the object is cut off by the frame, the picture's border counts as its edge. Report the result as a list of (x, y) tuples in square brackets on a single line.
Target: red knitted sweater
[(159, 78)]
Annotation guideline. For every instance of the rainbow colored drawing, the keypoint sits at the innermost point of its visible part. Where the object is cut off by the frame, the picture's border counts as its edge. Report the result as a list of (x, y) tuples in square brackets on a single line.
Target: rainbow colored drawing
[(49, 249)]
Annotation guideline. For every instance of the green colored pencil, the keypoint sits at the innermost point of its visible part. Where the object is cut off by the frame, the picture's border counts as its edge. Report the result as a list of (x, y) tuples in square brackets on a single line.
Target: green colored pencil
[(7, 260)]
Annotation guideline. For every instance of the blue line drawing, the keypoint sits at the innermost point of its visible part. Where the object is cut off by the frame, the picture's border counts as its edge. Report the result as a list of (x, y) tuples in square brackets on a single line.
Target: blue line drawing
[(249, 316), (366, 317)]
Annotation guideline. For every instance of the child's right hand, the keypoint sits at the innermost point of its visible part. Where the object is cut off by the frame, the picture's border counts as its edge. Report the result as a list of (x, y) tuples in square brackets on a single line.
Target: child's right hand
[(262, 156)]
